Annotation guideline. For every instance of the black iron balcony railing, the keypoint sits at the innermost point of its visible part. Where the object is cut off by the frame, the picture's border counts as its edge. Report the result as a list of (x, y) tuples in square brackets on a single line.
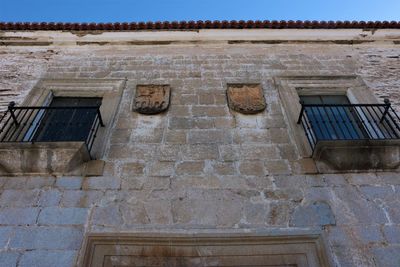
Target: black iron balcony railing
[(349, 122), (51, 124)]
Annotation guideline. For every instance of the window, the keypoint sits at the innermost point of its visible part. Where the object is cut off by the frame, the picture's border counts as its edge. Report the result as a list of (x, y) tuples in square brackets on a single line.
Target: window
[(337, 123), (333, 117), (67, 119), (58, 128)]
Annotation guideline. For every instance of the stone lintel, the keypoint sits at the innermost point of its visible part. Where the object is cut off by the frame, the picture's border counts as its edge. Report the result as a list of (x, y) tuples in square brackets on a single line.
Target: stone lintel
[(220, 248)]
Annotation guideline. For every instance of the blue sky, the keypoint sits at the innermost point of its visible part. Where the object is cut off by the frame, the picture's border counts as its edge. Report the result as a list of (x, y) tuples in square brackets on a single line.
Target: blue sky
[(160, 10)]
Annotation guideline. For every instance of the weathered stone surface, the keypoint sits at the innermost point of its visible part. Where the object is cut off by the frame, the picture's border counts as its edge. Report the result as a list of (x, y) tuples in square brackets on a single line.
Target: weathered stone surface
[(78, 198), (190, 167), (50, 198), (201, 165), (9, 259), (252, 168), (5, 234), (246, 98), (315, 214), (18, 216), (133, 169), (102, 182), (60, 216), (45, 258), (47, 238), (69, 182), (388, 256), (151, 99), (19, 198), (392, 233)]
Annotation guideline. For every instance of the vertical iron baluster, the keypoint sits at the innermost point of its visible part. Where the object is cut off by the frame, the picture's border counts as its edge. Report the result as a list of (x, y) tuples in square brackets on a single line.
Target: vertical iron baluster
[(362, 110), (310, 131), (347, 110), (324, 124), (381, 124), (22, 124), (332, 124), (344, 122), (396, 125)]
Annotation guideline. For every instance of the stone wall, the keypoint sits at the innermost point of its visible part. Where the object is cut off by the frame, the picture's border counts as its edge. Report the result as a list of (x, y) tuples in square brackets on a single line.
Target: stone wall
[(200, 165)]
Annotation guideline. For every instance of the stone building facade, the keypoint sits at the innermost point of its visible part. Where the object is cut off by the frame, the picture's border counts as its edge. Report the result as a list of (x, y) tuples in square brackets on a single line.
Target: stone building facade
[(199, 176)]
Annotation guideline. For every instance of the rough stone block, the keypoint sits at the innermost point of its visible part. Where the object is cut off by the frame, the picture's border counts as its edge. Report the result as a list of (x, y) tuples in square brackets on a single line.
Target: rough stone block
[(94, 168), (102, 183), (109, 215), (277, 167), (69, 182), (199, 152), (279, 136), (147, 135), (18, 216), (210, 111), (229, 153), (121, 136), (368, 234), (168, 152), (9, 259), (259, 152), (392, 233), (353, 208), (133, 183), (60, 216), (47, 238), (209, 137), (162, 168), (255, 168), (305, 166), (78, 198), (39, 182), (314, 214), (158, 211), (49, 198), (363, 178), (180, 123), (223, 168), (387, 256), (134, 214), (390, 178), (133, 169), (175, 137), (190, 167), (224, 122), (19, 198), (386, 193), (46, 258), (15, 183), (5, 234)]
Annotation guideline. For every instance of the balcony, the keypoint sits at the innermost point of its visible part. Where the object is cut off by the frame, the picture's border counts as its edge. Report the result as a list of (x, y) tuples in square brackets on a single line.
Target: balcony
[(352, 137), (49, 139)]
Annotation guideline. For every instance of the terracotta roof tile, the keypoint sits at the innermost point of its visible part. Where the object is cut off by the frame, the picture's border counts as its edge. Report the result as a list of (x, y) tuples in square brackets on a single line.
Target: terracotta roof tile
[(195, 25)]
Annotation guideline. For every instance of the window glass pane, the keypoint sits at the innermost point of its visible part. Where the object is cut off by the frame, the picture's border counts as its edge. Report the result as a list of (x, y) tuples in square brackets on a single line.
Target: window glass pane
[(67, 124), (333, 122)]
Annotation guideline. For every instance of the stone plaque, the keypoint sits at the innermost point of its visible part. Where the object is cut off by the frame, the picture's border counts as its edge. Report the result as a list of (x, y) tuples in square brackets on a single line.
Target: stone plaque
[(151, 99), (212, 249), (246, 98)]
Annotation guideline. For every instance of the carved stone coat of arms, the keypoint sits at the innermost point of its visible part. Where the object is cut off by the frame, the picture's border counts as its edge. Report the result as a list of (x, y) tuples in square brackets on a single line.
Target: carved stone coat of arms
[(246, 98), (151, 99)]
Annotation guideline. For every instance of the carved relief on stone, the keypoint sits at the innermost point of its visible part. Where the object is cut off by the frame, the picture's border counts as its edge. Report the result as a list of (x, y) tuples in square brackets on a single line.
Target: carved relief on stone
[(151, 99), (246, 98)]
